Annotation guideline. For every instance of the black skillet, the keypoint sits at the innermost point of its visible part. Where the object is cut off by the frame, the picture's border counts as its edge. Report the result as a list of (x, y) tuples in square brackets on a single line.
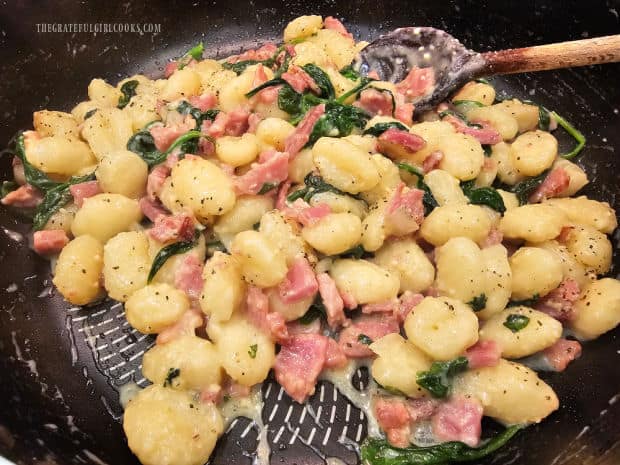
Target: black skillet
[(59, 399)]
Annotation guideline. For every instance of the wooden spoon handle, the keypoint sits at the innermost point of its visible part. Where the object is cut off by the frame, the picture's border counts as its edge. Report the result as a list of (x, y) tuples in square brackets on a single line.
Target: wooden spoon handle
[(553, 56)]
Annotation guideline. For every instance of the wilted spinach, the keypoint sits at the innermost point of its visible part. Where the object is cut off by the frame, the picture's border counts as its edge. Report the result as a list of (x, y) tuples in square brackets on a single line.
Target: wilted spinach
[(128, 89), (437, 379)]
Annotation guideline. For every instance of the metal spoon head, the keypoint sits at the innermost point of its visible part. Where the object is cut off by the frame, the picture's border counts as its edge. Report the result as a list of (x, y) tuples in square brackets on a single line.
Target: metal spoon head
[(394, 54)]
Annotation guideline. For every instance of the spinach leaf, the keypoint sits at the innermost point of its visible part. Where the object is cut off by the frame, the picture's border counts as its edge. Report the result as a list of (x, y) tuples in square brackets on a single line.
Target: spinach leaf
[(268, 186), (392, 390), (380, 128), (515, 322), (215, 246), (316, 310), (193, 53), (253, 350), (7, 187), (437, 379), (572, 131), (272, 82), (338, 120), (524, 188), (478, 303), (142, 143), (289, 100), (356, 252), (315, 184), (362, 338), (89, 113), (172, 373), (350, 73), (544, 118), (482, 81), (321, 79), (375, 451), (428, 200), (488, 150), (34, 176), (525, 303), (166, 252), (483, 196), (54, 199), (128, 90), (355, 90), (463, 106), (240, 66), (186, 108)]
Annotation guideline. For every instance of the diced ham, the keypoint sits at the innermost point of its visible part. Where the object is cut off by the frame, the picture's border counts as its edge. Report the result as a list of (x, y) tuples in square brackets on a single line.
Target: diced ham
[(393, 417), (205, 147), (267, 95), (179, 227), (375, 102), (374, 326), (554, 185), (260, 54), (405, 211), (188, 276), (237, 121), (295, 327), (152, 209), (303, 213), (421, 408), (84, 190), (349, 301), (257, 308), (494, 237), (334, 306), (299, 80), (487, 134), (394, 141), (253, 121), (164, 136), (281, 197), (388, 306), (483, 354), (432, 161), (299, 282), (217, 127), (335, 357), (186, 325), (560, 354), (213, 393), (404, 111), (301, 135), (18, 171), (170, 68), (299, 363), (374, 75), (24, 196), (204, 102), (236, 390), (419, 82), (155, 180), (51, 241), (406, 303), (273, 170), (560, 302), (334, 24), (564, 235), (458, 419)]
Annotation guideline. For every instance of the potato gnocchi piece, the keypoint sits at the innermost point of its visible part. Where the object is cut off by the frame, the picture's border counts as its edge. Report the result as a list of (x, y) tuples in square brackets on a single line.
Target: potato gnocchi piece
[(237, 151), (445, 188), (533, 223), (301, 165), (497, 280), (525, 114), (442, 327), (582, 210), (433, 132), (62, 219), (366, 282), (389, 178), (154, 307), (578, 177), (344, 165), (455, 220), (272, 132), (247, 354), (165, 426), (232, 94), (290, 311), (55, 123), (262, 264), (307, 52), (284, 235), (203, 187), (105, 215), (340, 49), (476, 92), (183, 83), (224, 289), (462, 156), (591, 247), (598, 309), (340, 203), (373, 230), (302, 27), (509, 392), (571, 267), (122, 172), (196, 359), (506, 171), (535, 271), (108, 130), (103, 93), (405, 258), (397, 364), (64, 156), (533, 152), (541, 331), (248, 210), (334, 234), (126, 264), (78, 270), (498, 117), (460, 269)]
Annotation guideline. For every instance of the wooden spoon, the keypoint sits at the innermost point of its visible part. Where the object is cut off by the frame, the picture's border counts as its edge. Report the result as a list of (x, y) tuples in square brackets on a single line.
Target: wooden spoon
[(392, 56)]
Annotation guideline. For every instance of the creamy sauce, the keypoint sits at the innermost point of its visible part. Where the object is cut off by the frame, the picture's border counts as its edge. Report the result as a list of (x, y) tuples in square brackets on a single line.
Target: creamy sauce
[(342, 380), (127, 392), (13, 235)]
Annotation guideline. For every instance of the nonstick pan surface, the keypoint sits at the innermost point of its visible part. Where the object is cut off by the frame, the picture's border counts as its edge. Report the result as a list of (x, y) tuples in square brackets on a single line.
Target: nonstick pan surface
[(61, 367)]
